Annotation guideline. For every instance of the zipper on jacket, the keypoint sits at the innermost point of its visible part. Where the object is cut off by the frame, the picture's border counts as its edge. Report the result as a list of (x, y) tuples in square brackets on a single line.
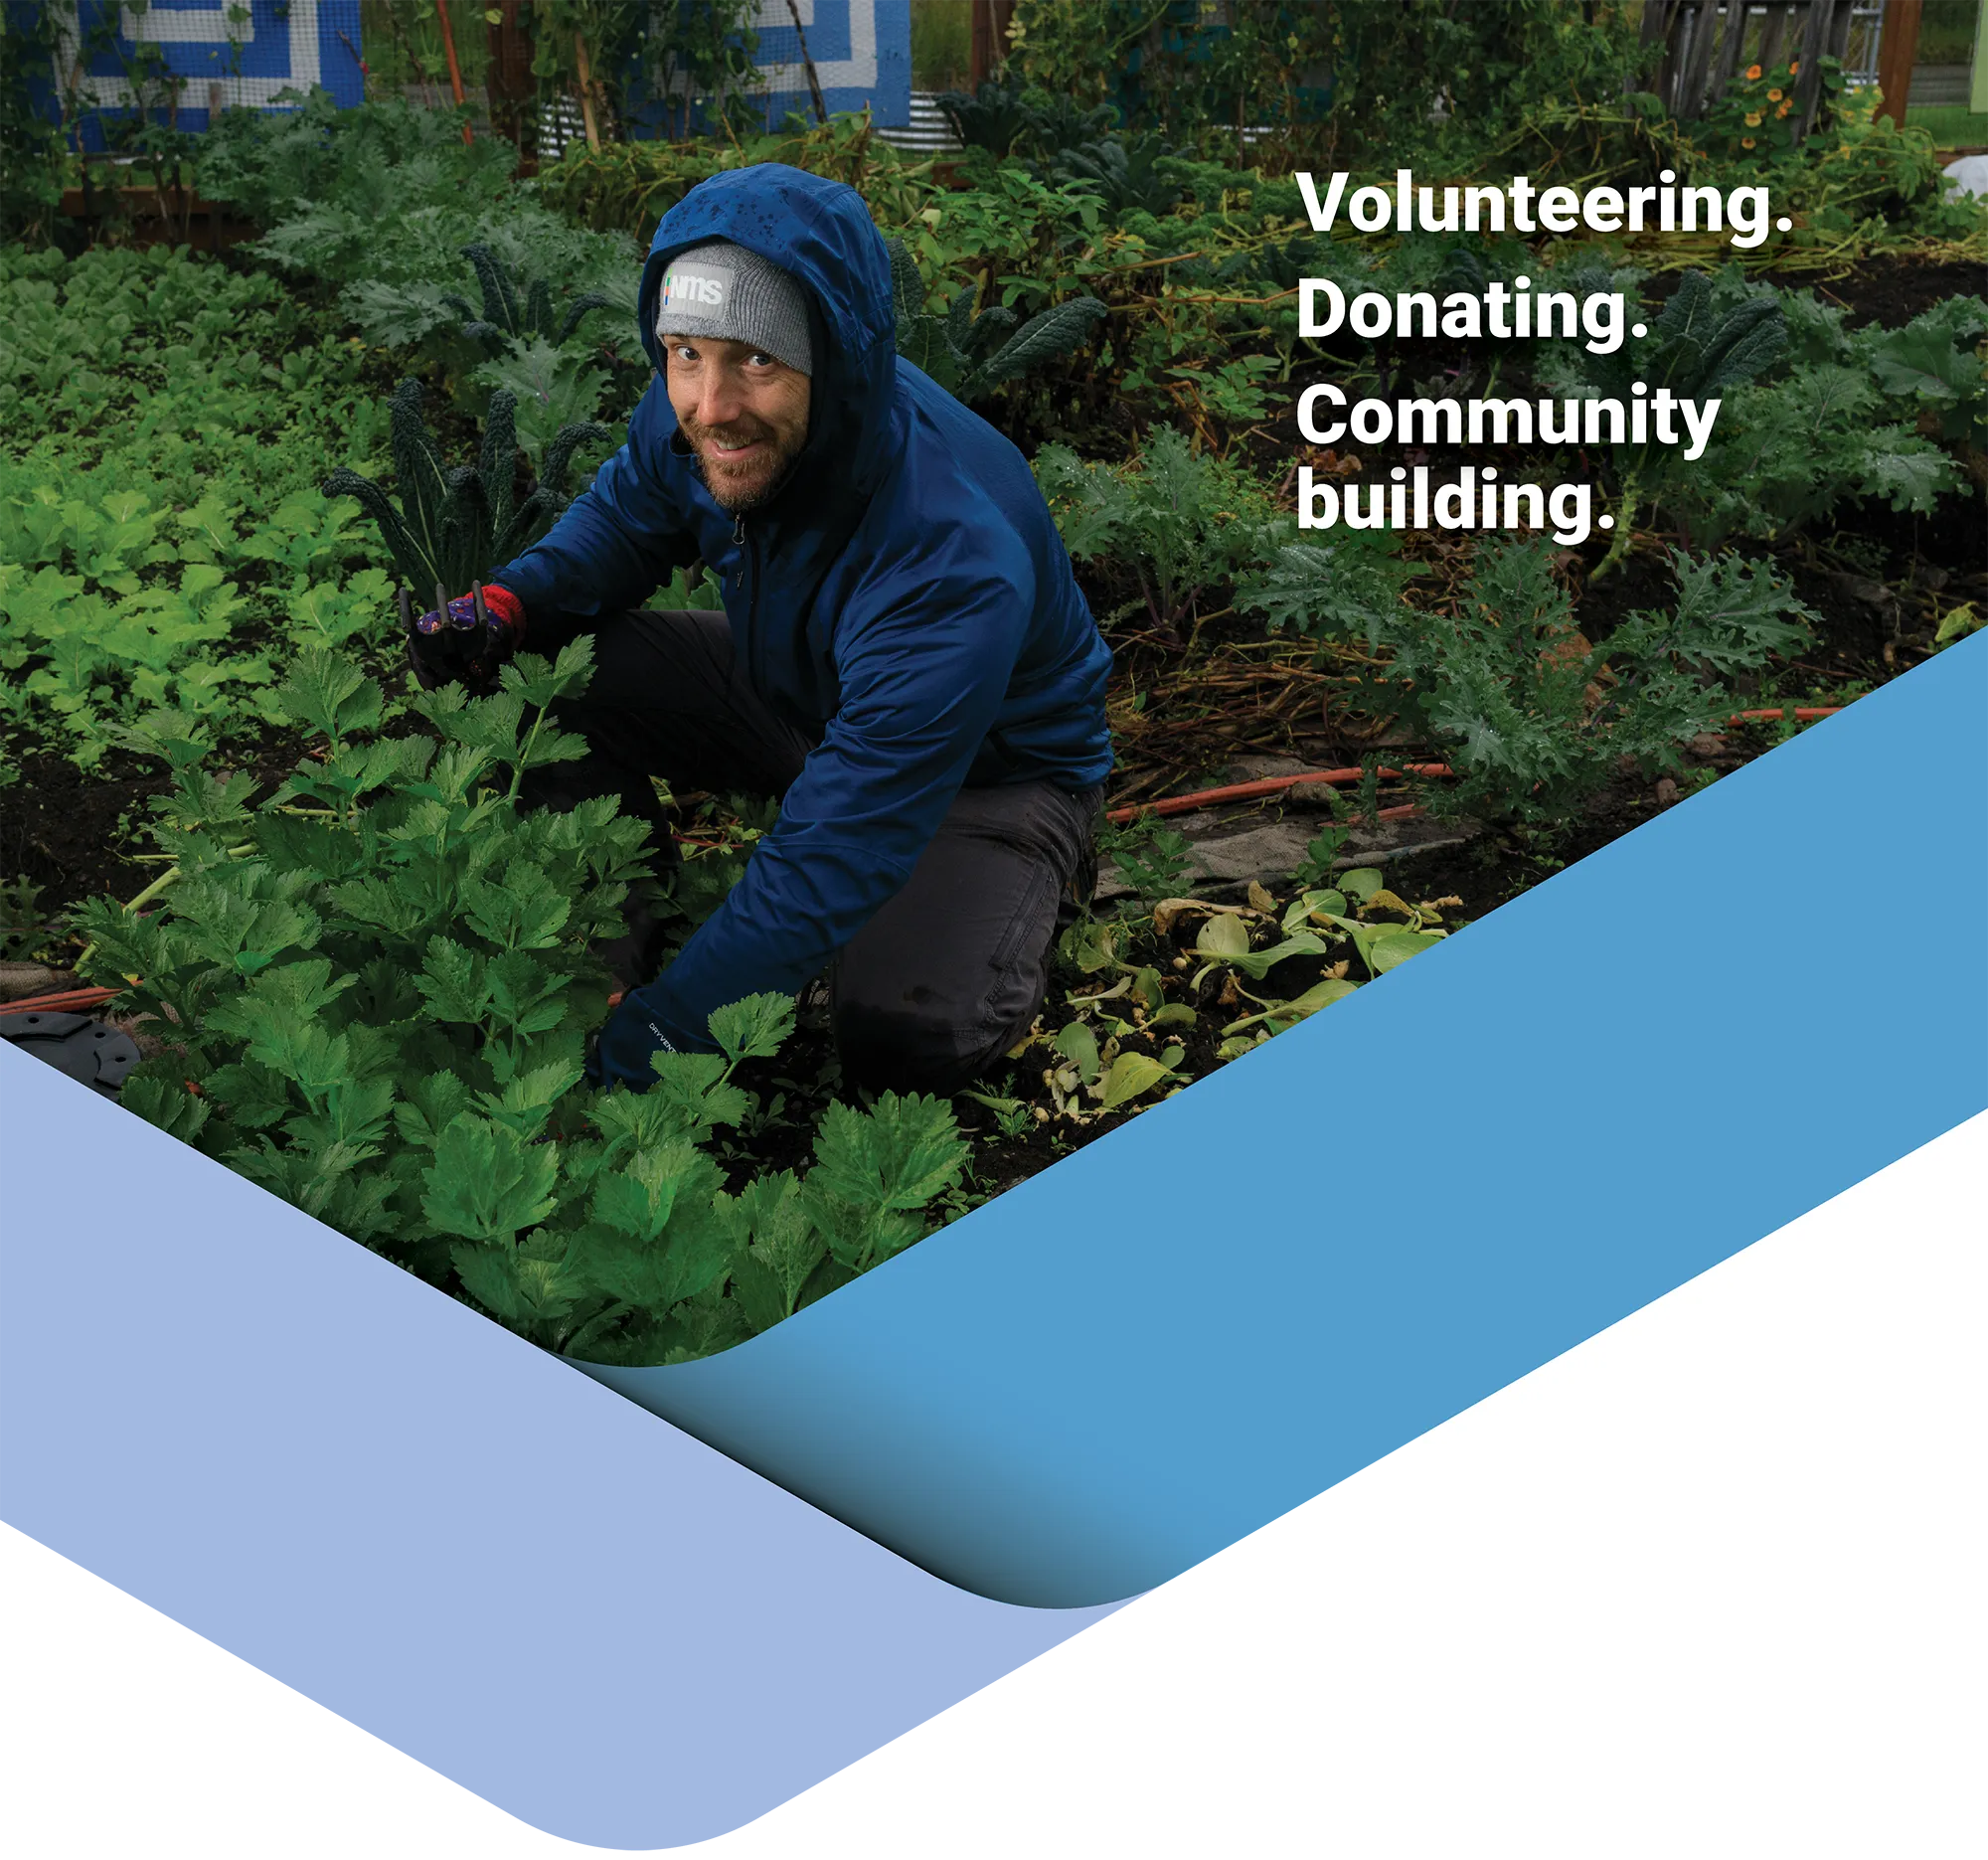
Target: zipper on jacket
[(752, 607), (739, 543)]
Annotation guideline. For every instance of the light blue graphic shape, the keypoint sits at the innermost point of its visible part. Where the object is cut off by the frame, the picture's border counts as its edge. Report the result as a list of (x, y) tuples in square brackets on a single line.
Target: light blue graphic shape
[(1361, 1229), (381, 1499)]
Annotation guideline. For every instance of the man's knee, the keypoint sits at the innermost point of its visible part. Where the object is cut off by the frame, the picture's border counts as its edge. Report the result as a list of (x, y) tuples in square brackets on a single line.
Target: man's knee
[(952, 973), (896, 1048)]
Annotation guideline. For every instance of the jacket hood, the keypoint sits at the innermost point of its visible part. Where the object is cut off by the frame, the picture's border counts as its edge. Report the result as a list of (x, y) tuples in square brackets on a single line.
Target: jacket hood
[(821, 233)]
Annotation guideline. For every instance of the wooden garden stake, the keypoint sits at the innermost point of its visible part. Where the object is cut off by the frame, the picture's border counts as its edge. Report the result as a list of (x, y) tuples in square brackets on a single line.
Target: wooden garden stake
[(1897, 51), (586, 91)]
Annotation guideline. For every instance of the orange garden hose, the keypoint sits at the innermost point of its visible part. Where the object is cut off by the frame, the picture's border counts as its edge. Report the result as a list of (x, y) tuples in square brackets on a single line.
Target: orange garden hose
[(1341, 778), (73, 1001), (1271, 784)]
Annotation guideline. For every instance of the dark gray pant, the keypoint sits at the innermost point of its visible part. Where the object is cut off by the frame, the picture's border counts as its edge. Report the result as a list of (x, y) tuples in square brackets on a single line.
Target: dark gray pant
[(953, 969)]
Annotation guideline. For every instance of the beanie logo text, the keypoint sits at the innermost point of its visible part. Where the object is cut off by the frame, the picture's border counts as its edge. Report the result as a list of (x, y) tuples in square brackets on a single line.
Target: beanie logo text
[(695, 288)]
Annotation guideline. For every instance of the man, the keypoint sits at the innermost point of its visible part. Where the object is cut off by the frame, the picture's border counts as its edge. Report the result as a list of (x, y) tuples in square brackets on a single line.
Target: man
[(903, 656)]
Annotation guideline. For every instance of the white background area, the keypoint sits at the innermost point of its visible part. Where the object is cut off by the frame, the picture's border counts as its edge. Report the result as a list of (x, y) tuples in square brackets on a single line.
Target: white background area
[(134, 1740), (1859, 1324)]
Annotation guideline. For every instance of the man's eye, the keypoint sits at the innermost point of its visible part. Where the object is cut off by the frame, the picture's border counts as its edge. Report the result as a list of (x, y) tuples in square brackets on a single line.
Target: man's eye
[(762, 361), (685, 353)]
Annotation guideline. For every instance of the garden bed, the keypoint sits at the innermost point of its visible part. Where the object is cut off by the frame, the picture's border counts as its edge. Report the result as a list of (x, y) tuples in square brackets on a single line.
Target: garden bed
[(209, 712)]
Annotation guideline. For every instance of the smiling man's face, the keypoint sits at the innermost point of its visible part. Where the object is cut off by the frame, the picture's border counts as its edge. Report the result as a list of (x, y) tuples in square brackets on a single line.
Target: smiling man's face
[(744, 414)]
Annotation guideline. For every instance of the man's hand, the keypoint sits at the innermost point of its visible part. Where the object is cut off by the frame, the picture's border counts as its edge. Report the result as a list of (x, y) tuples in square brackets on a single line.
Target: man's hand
[(621, 1051), (465, 639)]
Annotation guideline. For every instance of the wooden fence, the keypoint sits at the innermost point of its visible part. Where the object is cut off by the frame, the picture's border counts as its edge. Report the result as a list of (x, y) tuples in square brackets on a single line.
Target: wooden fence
[(1706, 45)]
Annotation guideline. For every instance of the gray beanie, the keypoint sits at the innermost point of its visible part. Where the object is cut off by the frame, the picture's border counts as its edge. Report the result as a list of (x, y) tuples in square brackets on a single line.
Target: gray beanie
[(724, 291)]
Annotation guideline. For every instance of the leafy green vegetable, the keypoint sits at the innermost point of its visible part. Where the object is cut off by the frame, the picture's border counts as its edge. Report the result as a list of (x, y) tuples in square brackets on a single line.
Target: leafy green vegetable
[(507, 318), (1536, 715), (973, 355), (379, 982), (455, 523), (1179, 523)]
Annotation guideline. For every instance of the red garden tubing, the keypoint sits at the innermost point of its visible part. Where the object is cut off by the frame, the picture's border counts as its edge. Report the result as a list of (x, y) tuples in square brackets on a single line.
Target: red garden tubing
[(1272, 784), (73, 1001), (1341, 778)]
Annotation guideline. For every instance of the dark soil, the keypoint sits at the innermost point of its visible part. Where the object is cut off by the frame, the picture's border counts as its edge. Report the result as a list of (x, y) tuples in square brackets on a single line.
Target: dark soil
[(71, 832), (1888, 288), (76, 835)]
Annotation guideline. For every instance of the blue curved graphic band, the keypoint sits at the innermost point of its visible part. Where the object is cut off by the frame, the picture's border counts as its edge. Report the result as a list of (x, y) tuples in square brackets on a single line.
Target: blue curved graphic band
[(224, 1415), (1259, 1288), (383, 1500)]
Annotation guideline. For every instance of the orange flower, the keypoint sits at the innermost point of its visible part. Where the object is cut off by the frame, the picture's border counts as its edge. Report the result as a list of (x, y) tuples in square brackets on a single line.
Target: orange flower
[(1746, 141), (1753, 72), (1773, 97), (1796, 67), (1782, 111), (1752, 119)]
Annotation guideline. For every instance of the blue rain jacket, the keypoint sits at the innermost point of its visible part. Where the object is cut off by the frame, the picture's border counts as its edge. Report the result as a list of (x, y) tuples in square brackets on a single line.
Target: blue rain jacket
[(905, 595)]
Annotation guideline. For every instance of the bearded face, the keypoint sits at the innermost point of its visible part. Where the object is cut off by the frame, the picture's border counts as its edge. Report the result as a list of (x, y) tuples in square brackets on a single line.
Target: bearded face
[(742, 412)]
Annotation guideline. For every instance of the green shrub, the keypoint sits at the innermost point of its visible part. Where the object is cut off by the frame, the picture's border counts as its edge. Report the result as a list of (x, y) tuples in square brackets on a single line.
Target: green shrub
[(1174, 521), (1532, 717)]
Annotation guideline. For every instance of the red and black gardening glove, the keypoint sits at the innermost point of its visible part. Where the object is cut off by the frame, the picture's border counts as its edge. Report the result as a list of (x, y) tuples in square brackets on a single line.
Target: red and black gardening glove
[(463, 640)]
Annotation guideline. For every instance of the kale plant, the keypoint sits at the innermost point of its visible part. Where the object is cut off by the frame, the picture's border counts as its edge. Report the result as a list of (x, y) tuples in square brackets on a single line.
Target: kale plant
[(1532, 717), (990, 116), (972, 355), (1176, 522), (377, 986), (1872, 414), (456, 523), (1934, 366), (508, 317), (1703, 342), (553, 391), (1005, 118), (1131, 174)]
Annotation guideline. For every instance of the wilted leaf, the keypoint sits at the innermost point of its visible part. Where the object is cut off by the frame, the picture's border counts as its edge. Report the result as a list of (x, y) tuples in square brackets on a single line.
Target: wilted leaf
[(1130, 1074), (1392, 950), (1361, 883), (1077, 1044), (1088, 946), (1319, 994), (1223, 937)]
